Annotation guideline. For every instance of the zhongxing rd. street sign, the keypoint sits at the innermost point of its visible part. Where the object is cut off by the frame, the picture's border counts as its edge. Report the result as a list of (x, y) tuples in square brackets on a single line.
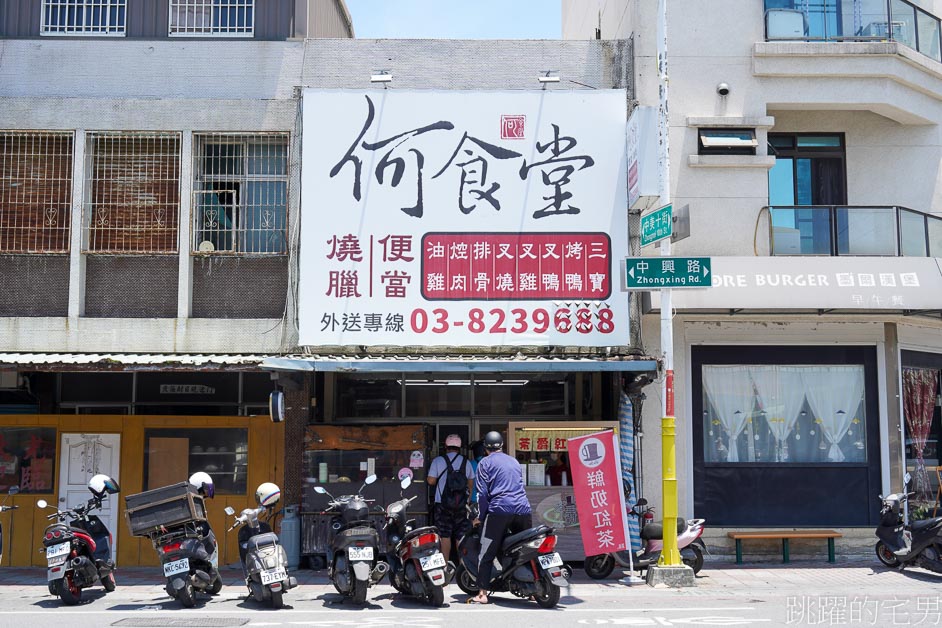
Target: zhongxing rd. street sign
[(654, 273), (657, 225)]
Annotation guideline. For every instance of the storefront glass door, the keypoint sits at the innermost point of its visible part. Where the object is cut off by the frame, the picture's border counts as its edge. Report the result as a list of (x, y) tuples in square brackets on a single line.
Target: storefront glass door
[(83, 456)]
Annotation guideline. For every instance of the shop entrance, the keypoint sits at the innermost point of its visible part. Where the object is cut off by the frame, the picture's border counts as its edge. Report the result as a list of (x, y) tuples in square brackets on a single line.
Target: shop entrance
[(85, 455)]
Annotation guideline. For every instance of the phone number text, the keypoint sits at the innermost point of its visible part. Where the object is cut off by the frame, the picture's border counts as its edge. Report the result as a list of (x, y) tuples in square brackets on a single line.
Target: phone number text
[(517, 321)]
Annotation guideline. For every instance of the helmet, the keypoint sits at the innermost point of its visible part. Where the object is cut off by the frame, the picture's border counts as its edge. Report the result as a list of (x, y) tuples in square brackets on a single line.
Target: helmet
[(453, 440), (493, 441), (101, 484), (267, 494), (202, 483)]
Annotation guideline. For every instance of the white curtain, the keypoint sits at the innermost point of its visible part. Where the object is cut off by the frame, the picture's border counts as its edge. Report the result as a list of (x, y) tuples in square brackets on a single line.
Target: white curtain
[(781, 395), (834, 394), (730, 391)]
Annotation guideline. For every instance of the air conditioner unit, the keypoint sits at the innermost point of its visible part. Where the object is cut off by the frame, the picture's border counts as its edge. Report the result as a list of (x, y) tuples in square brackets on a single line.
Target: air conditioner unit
[(785, 24), (881, 30)]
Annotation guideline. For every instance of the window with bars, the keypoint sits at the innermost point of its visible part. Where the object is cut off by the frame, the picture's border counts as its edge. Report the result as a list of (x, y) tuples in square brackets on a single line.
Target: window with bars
[(235, 18), (83, 17), (240, 193), (133, 192), (35, 191)]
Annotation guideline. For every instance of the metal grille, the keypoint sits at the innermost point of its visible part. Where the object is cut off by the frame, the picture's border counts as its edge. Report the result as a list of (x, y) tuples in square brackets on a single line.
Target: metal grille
[(240, 193), (35, 191), (134, 192), (212, 17), (83, 17)]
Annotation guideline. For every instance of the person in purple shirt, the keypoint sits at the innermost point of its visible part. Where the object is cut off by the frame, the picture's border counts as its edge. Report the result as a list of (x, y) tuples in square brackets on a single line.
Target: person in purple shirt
[(502, 504)]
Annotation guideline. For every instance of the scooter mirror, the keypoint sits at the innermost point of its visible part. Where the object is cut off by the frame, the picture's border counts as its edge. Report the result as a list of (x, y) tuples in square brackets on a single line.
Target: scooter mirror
[(229, 510), (405, 483), (320, 490), (642, 502), (370, 479), (42, 503), (14, 490)]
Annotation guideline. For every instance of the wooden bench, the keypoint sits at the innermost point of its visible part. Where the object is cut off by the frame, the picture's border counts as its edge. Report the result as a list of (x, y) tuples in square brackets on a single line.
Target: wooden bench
[(784, 535)]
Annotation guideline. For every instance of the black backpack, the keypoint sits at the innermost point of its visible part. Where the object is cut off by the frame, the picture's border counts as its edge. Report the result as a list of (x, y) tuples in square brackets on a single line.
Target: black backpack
[(455, 491)]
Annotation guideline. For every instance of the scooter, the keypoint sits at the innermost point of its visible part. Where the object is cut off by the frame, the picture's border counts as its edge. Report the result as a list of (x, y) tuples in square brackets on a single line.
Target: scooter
[(352, 563), (527, 565), (901, 545), (416, 564), (689, 543), (4, 508), (78, 545), (264, 562), (189, 555)]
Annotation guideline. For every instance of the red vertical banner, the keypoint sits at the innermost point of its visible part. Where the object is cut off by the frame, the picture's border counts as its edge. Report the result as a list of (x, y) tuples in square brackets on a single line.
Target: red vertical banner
[(596, 481)]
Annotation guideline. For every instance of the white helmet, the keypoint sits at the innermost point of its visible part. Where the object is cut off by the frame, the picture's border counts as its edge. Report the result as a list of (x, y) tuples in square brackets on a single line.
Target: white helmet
[(101, 484), (267, 494), (202, 483)]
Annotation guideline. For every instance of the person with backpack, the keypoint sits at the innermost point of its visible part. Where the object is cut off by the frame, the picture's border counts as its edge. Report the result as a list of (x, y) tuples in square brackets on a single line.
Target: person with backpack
[(453, 478)]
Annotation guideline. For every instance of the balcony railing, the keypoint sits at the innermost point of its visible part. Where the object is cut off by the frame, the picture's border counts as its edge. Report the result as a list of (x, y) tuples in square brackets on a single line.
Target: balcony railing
[(854, 230), (854, 20)]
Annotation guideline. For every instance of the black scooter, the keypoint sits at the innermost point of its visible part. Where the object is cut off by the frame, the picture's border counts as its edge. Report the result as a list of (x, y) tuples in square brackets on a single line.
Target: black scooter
[(78, 549), (353, 563), (528, 565), (917, 544), (416, 564), (189, 555)]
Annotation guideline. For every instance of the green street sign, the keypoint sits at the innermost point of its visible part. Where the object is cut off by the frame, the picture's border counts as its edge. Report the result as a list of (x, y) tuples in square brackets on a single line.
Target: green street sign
[(657, 225), (654, 273)]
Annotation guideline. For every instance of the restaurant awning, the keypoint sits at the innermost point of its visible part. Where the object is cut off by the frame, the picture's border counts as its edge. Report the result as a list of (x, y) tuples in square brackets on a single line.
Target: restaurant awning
[(457, 364), (130, 361)]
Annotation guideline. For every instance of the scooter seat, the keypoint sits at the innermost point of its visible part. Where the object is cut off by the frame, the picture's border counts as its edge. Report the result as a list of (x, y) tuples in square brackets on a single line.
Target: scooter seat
[(926, 524), (655, 531), (526, 535), (419, 532)]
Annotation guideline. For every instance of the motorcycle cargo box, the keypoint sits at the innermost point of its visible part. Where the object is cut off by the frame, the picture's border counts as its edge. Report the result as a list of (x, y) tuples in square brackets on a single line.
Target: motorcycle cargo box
[(166, 506)]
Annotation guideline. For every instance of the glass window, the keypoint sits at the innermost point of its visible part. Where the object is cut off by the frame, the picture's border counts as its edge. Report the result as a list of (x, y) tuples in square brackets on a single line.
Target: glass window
[(809, 170), (928, 27), (369, 396), (438, 396), (172, 455), (904, 22), (866, 231), (912, 233), (784, 414), (819, 141), (523, 394), (212, 17), (83, 17), (801, 231), (727, 142), (28, 459), (935, 236)]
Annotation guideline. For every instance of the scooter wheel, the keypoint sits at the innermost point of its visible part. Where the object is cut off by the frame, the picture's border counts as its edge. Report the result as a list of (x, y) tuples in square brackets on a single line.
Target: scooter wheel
[(68, 591), (466, 581), (599, 567), (436, 596), (692, 556), (216, 587), (359, 591), (108, 582), (277, 599), (550, 597), (886, 555), (187, 596)]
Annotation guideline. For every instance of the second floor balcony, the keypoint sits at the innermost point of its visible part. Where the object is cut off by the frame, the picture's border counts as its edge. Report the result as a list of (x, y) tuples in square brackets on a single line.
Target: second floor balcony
[(854, 230), (854, 20)]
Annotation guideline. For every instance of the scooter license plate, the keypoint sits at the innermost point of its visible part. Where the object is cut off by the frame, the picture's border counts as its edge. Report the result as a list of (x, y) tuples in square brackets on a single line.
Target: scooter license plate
[(550, 560), (58, 550), (360, 553), (435, 561), (177, 566), (273, 575)]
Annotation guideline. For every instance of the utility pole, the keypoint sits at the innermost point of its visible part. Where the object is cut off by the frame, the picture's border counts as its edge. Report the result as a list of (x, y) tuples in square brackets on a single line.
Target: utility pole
[(670, 569)]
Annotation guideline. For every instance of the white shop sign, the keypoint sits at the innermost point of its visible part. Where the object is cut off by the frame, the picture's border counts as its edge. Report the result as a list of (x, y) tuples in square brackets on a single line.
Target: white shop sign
[(816, 283), (463, 218)]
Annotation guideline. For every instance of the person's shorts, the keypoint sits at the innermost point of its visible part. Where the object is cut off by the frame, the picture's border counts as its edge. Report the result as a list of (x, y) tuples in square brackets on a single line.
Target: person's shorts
[(450, 523)]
